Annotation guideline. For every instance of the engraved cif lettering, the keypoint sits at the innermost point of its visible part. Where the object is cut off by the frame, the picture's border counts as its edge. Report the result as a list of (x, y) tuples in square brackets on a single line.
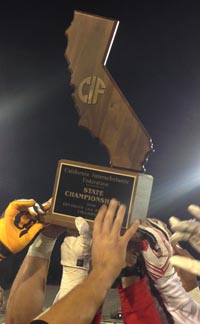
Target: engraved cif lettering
[(90, 88)]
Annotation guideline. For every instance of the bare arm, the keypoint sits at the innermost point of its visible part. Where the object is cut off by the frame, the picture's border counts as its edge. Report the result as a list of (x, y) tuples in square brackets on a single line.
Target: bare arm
[(81, 304), (27, 295)]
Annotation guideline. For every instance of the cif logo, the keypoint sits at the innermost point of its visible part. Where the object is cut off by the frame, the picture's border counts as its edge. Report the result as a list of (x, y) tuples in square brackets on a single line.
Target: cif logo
[(90, 88)]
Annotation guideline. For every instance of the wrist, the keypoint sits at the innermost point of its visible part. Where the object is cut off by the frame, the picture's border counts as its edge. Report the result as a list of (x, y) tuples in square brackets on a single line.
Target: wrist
[(74, 263), (104, 277), (42, 247)]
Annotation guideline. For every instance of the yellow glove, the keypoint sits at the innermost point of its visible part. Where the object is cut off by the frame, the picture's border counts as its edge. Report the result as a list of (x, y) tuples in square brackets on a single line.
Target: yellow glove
[(20, 224)]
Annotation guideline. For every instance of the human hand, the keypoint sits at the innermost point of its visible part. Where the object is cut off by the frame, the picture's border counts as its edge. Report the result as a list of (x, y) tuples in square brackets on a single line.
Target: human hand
[(109, 246), (39, 209), (20, 224), (76, 251), (135, 266), (157, 252), (188, 230), (189, 281)]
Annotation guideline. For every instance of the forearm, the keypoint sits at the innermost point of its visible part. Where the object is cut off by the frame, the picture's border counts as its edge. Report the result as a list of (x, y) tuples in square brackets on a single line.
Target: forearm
[(82, 303), (178, 302), (28, 289), (27, 294)]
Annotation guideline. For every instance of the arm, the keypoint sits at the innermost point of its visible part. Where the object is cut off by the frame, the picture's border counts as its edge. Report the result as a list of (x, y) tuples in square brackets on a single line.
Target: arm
[(108, 258), (30, 282), (188, 230), (82, 303), (75, 258), (29, 287), (177, 301), (188, 279)]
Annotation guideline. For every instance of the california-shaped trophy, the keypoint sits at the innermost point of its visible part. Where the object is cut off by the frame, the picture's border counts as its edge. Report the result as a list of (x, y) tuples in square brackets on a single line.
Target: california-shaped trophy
[(80, 189)]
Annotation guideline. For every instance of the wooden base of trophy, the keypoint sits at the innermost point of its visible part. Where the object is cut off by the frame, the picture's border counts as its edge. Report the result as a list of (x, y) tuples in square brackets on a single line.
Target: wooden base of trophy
[(80, 189)]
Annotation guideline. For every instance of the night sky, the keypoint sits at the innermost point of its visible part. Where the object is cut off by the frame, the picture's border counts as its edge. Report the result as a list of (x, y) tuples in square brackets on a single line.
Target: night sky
[(155, 60)]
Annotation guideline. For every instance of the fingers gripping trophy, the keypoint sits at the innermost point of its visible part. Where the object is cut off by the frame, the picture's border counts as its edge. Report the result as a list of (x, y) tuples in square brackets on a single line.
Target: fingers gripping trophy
[(19, 224)]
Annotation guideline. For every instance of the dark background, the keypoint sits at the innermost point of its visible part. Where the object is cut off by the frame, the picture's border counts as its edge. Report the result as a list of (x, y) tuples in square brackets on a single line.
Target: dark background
[(155, 60)]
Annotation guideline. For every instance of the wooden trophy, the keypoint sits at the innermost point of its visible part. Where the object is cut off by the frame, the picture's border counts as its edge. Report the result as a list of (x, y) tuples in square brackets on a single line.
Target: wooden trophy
[(80, 188)]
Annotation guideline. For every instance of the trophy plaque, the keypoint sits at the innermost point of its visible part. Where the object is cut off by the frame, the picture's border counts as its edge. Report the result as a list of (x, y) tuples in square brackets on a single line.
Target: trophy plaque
[(80, 189)]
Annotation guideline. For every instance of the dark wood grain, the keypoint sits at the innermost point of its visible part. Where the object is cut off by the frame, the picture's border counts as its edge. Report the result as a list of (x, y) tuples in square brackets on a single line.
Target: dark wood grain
[(107, 115)]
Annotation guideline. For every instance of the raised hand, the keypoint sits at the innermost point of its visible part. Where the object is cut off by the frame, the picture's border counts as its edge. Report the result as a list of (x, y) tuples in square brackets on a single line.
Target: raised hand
[(188, 230), (76, 251), (109, 246), (19, 225), (157, 252)]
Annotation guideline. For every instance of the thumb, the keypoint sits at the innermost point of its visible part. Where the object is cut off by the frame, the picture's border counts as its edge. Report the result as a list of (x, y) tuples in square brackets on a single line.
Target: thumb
[(47, 204), (131, 230), (82, 227), (40, 209)]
